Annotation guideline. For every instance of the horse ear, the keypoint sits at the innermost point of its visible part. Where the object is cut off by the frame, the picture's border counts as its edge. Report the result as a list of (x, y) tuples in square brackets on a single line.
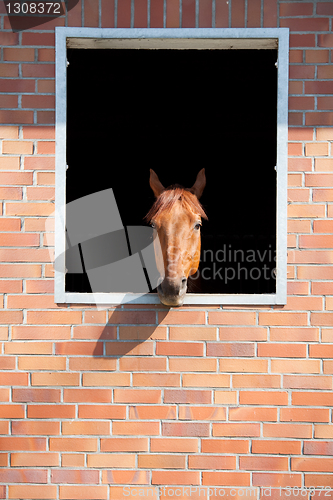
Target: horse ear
[(155, 184), (199, 184)]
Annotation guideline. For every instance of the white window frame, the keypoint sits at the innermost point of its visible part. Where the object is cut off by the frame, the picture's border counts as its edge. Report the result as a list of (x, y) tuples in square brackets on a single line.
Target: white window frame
[(179, 38)]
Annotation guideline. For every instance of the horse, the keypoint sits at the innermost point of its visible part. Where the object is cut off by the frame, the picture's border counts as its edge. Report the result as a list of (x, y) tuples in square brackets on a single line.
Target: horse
[(176, 217)]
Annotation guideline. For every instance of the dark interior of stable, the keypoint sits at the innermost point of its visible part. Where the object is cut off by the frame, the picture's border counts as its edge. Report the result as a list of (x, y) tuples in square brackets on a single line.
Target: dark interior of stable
[(177, 111)]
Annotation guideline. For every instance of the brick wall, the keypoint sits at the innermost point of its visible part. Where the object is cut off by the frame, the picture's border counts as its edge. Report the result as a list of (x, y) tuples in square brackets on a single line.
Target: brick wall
[(237, 398)]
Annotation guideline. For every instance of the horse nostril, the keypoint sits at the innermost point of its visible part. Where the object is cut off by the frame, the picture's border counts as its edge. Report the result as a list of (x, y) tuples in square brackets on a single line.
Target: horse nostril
[(184, 280)]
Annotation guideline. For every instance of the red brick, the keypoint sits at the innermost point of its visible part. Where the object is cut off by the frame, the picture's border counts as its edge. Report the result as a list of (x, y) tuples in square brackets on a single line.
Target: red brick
[(193, 333), (41, 492), (132, 317), (34, 459), (36, 395), (296, 102), (296, 9), (232, 318), (325, 103), (230, 350), (54, 317), (111, 461), (18, 54), (9, 70), (211, 462), (276, 447), (224, 445), (46, 55), (38, 132), (263, 463), (299, 72), (11, 411), (306, 382), (38, 39), (46, 117), (205, 14), (92, 363), (39, 163), (27, 363), (49, 411), (287, 430), (86, 428), (137, 396), (226, 478), (238, 14), (86, 492), (263, 397), (181, 317), (205, 380), (9, 38), (304, 24), (102, 411), (156, 379), (14, 443), (253, 414), (40, 332), (11, 317), (319, 118), (95, 332), (324, 8), (318, 87), (276, 480), (202, 412), (124, 444), (35, 428), (124, 14), (125, 477), (185, 429), (267, 381), (187, 396), (321, 319), (73, 444), (140, 14), (129, 348), (161, 461), (192, 364), (107, 14), (282, 318), (318, 448), (254, 14), (295, 366), (136, 428), (312, 398), (323, 431), (239, 429), (84, 395), (312, 464), (325, 40), (179, 349), (172, 14), (38, 70), (175, 477), (304, 415)]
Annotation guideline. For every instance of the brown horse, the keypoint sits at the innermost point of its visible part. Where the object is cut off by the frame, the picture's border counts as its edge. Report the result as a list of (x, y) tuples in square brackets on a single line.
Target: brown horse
[(176, 216)]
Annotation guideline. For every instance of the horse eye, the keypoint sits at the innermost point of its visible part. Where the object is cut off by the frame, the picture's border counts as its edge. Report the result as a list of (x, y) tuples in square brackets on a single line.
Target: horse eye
[(153, 225), (197, 226)]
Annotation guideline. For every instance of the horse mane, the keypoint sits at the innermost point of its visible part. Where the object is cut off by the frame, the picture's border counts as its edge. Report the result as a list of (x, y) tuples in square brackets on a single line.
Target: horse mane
[(169, 197)]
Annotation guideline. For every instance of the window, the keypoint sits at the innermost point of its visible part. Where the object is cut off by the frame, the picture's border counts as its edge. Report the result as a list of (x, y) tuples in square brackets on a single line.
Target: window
[(213, 98)]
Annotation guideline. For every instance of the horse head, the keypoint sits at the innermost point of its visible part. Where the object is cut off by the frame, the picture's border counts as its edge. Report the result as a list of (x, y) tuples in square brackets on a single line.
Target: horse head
[(176, 216)]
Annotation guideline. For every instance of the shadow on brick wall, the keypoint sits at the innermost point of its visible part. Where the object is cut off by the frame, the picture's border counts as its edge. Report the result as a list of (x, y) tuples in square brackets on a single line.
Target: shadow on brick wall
[(127, 332)]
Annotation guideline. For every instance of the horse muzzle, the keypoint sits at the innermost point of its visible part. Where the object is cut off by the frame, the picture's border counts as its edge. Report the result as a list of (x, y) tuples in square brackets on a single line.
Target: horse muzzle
[(171, 292)]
